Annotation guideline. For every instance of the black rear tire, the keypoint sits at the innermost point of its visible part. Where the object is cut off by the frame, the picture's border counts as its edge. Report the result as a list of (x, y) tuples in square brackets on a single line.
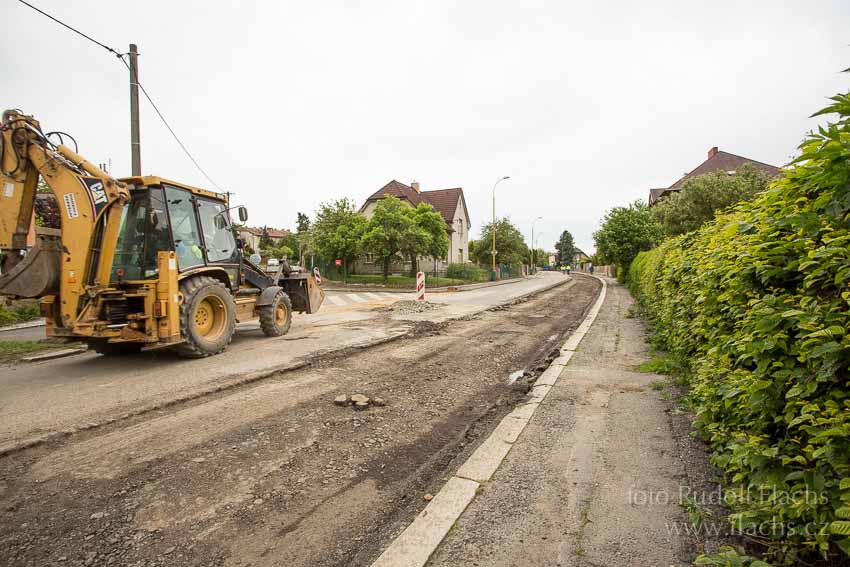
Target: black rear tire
[(207, 317), (276, 317)]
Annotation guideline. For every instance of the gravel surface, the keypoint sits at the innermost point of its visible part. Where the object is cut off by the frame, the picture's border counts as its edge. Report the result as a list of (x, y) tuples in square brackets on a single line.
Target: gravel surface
[(411, 306), (275, 473)]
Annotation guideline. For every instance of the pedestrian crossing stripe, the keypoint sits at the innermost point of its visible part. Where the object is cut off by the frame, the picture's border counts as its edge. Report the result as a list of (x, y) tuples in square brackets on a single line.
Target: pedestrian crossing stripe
[(344, 299)]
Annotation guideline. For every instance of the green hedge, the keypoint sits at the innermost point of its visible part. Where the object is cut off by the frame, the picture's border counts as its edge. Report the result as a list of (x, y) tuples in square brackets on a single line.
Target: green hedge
[(756, 307), (469, 272)]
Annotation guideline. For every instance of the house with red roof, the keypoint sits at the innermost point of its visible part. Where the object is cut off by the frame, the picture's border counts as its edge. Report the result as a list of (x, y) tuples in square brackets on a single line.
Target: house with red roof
[(451, 205), (718, 160), (251, 235)]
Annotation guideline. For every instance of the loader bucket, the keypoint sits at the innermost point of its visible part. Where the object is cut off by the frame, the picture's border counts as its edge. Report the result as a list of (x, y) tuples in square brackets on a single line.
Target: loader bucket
[(38, 273)]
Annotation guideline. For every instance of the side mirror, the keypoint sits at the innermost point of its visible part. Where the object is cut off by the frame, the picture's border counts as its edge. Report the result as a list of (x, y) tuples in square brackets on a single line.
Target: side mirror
[(243, 214)]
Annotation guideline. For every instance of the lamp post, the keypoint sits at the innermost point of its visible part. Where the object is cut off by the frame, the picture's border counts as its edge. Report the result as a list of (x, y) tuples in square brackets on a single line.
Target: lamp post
[(493, 228), (533, 266)]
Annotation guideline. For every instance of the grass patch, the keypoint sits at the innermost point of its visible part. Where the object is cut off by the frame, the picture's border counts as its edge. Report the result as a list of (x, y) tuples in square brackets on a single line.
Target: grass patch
[(658, 365), (19, 312), (13, 348), (658, 385)]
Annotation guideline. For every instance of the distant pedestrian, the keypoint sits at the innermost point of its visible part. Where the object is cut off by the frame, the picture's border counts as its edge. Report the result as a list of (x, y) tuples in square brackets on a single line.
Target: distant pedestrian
[(569, 269), (590, 269)]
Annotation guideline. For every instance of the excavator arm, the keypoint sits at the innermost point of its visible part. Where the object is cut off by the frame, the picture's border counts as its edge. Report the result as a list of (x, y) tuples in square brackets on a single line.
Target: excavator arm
[(73, 263)]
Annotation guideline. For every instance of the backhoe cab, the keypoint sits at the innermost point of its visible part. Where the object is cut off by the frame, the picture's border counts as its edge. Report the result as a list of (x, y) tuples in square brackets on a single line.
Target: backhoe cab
[(139, 263)]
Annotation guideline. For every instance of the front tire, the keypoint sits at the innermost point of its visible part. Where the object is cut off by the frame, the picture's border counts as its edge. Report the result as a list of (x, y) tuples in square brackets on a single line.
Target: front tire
[(207, 317), (276, 317)]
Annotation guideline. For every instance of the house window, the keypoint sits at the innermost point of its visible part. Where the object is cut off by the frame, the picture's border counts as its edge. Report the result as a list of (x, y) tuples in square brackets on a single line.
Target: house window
[(460, 227), (370, 258)]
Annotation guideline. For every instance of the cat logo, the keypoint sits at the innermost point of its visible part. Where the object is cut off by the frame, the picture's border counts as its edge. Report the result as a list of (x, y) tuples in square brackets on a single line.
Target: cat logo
[(98, 193), (99, 198)]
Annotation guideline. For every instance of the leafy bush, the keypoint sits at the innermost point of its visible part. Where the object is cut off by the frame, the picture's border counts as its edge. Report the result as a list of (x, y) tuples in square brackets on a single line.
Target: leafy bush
[(756, 306), (469, 272), (25, 310), (729, 557)]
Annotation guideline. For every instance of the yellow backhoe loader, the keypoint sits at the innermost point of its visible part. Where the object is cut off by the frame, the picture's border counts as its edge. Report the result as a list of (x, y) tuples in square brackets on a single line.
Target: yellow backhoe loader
[(139, 263)]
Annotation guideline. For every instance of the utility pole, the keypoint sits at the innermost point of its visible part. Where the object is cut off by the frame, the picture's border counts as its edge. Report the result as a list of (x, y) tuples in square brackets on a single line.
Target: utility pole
[(135, 142)]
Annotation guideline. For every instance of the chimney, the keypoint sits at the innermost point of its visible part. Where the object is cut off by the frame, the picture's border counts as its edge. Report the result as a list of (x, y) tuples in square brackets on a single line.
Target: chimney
[(415, 185), (712, 152)]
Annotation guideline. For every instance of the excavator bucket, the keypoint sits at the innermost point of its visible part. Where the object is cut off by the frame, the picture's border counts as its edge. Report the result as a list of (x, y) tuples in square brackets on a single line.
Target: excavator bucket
[(38, 273)]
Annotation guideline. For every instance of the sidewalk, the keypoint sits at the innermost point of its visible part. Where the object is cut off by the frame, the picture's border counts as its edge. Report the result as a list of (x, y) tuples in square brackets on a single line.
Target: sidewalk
[(594, 479)]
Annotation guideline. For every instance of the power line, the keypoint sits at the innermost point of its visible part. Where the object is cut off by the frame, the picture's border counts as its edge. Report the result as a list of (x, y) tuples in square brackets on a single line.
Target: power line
[(135, 79), (167, 125), (76, 31)]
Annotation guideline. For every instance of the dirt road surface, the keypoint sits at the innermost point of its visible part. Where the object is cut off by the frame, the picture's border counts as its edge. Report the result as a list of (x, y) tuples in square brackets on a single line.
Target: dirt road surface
[(272, 472), (42, 400)]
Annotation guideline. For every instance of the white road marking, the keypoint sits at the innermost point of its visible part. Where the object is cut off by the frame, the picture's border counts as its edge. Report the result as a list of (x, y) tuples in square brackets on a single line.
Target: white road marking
[(373, 296), (336, 300), (354, 297)]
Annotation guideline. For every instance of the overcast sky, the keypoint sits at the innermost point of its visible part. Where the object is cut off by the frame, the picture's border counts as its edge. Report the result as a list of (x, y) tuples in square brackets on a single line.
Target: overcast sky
[(586, 105)]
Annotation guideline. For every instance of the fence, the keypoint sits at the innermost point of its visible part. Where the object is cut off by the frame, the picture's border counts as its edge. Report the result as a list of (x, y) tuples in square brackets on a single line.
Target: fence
[(331, 271)]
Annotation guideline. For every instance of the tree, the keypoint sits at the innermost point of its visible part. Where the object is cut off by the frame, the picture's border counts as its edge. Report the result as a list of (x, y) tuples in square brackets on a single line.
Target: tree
[(338, 231), (389, 231), (278, 251), (510, 244), (302, 225), (541, 257), (566, 248), (625, 231), (472, 246), (266, 241), (701, 197), (302, 235), (433, 226)]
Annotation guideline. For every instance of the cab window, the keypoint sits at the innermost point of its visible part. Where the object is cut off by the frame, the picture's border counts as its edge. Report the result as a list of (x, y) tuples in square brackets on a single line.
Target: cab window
[(184, 228), (218, 234), (143, 233)]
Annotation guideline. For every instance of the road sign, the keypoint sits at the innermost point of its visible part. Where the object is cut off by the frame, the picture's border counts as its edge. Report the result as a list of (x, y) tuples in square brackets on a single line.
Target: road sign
[(420, 286), (338, 262)]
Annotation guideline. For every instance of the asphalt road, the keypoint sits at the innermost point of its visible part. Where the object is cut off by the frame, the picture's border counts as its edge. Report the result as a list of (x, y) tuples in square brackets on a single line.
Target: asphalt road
[(41, 400)]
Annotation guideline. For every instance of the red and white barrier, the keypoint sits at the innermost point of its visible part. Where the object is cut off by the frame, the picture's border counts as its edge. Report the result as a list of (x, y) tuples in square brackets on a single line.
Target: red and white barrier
[(420, 286)]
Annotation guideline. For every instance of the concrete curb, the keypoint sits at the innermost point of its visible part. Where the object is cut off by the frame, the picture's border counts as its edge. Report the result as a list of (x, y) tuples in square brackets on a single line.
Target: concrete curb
[(416, 544), (25, 325), (54, 354)]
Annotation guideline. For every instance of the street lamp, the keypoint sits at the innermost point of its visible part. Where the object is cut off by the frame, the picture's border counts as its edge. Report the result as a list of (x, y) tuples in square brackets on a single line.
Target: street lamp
[(533, 266), (493, 250)]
